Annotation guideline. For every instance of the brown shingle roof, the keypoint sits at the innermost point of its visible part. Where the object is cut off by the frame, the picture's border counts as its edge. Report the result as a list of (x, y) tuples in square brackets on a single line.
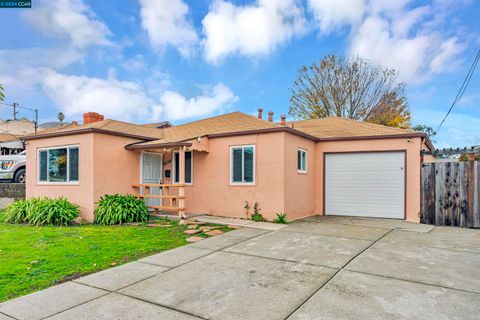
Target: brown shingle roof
[(5, 137), (336, 127), (106, 126), (227, 123), (232, 123)]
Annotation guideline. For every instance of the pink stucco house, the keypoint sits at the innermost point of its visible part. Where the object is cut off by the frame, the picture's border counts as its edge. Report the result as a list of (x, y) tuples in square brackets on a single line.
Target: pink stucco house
[(329, 166)]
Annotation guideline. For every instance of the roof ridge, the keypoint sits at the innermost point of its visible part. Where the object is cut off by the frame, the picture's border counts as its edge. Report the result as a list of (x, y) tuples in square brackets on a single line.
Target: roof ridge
[(354, 120), (204, 119), (107, 121), (277, 124)]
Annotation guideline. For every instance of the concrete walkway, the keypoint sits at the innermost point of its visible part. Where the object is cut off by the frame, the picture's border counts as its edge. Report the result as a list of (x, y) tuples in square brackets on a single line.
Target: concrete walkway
[(315, 268)]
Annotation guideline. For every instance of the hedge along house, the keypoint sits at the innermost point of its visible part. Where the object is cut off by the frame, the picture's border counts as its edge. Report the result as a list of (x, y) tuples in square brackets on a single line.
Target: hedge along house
[(331, 166)]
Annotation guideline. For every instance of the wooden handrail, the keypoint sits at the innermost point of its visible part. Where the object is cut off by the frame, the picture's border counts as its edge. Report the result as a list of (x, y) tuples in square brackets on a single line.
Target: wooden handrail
[(176, 202), (139, 185), (158, 197)]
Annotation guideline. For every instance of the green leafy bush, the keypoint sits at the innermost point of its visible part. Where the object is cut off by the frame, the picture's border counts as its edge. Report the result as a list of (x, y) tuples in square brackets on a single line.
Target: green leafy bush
[(281, 218), (256, 215), (41, 211), (118, 209)]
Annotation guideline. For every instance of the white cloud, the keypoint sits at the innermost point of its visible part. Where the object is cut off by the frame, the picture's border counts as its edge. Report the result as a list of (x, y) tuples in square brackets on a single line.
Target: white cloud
[(250, 30), (75, 95), (134, 64), (70, 19), (20, 69), (167, 25), (443, 60), (174, 106), (401, 38), (331, 15), (126, 100)]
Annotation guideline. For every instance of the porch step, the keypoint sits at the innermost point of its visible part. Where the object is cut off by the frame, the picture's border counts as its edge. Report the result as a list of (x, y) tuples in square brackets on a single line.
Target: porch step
[(166, 208), (158, 196), (148, 185)]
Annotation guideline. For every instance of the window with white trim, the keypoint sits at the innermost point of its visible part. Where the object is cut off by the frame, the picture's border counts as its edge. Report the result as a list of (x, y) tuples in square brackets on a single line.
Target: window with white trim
[(242, 164), (58, 165), (302, 160), (188, 166)]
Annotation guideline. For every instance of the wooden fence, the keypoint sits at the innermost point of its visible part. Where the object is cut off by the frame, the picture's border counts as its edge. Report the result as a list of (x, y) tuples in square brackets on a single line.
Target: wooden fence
[(450, 194)]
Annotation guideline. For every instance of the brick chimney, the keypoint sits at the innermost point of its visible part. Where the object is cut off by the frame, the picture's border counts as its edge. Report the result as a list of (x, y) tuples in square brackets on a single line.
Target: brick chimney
[(270, 116), (260, 111), (91, 117), (282, 120)]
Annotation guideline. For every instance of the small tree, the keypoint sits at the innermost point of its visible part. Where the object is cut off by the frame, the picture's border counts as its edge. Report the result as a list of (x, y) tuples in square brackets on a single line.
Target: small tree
[(60, 117), (425, 129), (352, 88)]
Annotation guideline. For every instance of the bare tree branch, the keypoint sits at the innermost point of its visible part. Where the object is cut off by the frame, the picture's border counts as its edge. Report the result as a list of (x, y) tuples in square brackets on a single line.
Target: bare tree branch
[(353, 88)]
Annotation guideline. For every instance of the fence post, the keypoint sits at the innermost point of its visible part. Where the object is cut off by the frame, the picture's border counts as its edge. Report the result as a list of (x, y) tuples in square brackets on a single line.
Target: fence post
[(471, 190)]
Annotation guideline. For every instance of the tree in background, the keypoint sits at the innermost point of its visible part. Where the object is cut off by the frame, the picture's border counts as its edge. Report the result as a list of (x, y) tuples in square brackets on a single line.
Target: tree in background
[(2, 94), (60, 117), (351, 88), (425, 129)]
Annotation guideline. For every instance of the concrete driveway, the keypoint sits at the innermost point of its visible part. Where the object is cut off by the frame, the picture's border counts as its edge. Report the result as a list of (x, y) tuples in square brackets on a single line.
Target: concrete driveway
[(315, 268)]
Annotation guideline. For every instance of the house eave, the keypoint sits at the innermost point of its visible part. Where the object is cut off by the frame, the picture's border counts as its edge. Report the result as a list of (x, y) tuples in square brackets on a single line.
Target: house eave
[(386, 136), (166, 145), (85, 131)]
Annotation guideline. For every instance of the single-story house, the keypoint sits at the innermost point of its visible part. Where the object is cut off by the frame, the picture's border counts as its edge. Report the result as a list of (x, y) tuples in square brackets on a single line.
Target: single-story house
[(329, 166), (10, 144)]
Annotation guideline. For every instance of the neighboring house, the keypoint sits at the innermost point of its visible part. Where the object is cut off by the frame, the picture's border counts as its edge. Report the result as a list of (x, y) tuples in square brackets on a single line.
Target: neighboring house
[(10, 144), (17, 127), (327, 166), (12, 132)]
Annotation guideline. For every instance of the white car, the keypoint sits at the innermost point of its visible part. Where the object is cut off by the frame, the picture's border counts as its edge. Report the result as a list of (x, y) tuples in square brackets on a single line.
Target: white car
[(13, 167)]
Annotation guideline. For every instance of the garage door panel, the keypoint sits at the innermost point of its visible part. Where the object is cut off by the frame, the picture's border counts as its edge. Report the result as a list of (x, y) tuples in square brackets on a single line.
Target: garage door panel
[(353, 198), (347, 175), (375, 210), (360, 201), (345, 190), (365, 184), (393, 193)]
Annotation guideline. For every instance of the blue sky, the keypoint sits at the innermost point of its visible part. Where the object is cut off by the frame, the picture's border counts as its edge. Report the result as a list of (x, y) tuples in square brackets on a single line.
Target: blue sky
[(179, 60)]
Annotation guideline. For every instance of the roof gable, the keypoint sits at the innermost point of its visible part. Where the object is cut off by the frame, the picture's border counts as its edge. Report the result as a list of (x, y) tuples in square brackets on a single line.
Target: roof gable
[(337, 127)]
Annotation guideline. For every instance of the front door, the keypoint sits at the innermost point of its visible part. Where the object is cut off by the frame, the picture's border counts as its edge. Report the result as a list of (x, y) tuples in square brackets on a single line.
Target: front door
[(152, 173)]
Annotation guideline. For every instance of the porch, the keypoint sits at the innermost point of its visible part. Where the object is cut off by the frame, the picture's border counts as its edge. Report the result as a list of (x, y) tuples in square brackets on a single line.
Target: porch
[(166, 170), (175, 202)]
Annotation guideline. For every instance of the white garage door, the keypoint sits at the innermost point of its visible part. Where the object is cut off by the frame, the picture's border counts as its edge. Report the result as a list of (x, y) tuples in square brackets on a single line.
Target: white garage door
[(365, 184)]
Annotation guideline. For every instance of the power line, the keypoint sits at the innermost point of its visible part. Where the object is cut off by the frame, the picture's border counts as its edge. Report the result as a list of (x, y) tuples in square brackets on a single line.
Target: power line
[(16, 106), (462, 89)]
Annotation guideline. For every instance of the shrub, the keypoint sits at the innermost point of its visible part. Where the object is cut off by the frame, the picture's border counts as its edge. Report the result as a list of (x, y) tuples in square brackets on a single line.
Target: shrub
[(281, 218), (41, 211), (118, 209), (15, 212), (256, 215)]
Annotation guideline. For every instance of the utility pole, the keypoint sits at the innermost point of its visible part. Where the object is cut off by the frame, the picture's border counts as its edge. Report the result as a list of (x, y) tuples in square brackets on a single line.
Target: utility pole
[(36, 120), (15, 105)]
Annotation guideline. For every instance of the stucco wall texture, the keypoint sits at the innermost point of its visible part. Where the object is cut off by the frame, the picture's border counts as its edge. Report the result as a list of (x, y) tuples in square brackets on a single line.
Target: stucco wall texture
[(106, 167)]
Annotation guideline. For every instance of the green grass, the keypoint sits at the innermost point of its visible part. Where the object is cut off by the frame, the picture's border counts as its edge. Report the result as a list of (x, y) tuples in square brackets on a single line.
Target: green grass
[(34, 258)]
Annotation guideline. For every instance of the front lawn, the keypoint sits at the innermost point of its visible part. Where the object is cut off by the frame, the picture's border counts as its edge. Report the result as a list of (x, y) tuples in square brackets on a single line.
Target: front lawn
[(34, 258)]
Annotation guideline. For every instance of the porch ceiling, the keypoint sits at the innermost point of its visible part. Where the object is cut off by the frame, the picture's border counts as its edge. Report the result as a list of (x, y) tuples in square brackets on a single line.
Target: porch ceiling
[(170, 146)]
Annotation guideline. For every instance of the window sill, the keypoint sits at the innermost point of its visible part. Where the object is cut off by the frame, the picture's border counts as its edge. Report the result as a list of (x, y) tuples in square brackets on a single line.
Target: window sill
[(58, 183), (242, 184), (186, 183), (301, 172)]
